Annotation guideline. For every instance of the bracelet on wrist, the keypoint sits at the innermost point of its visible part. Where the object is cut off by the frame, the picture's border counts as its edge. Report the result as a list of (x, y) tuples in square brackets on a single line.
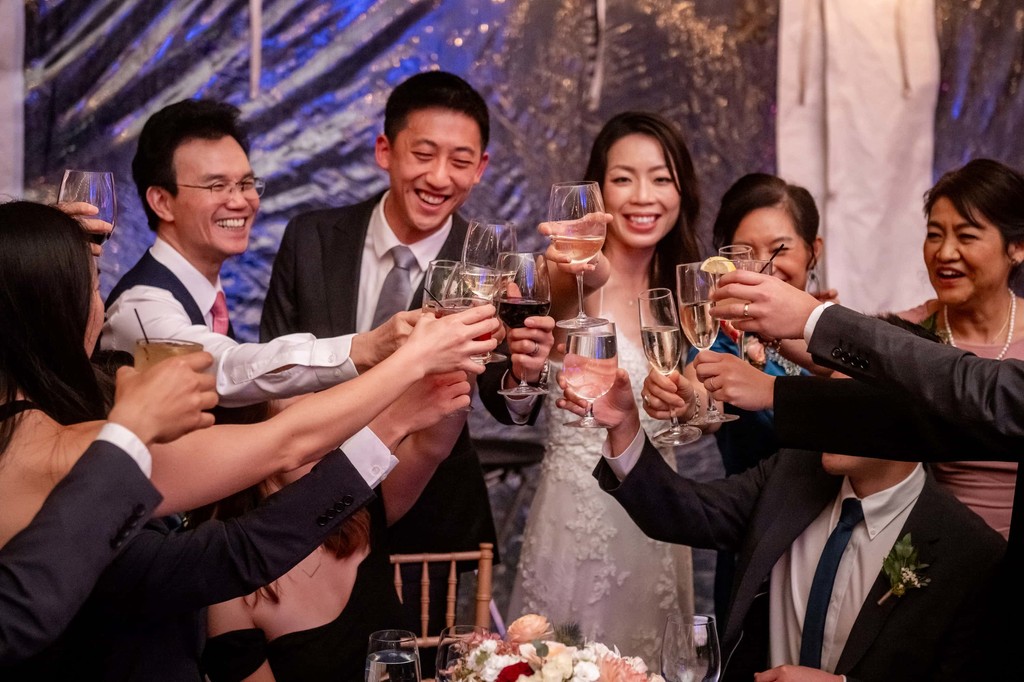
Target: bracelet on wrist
[(542, 378)]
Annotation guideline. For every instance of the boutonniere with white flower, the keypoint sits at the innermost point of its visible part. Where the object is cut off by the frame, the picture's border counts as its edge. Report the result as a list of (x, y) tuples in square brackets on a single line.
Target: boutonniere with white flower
[(903, 570)]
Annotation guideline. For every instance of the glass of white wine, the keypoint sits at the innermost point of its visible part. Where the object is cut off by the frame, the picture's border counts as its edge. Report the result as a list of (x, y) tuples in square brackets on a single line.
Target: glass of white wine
[(694, 287), (589, 368), (92, 187), (659, 331), (473, 285), (577, 234), (392, 656)]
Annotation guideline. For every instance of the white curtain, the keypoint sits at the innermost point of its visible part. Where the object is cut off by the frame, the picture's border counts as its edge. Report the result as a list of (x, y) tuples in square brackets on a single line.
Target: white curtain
[(12, 85), (857, 87)]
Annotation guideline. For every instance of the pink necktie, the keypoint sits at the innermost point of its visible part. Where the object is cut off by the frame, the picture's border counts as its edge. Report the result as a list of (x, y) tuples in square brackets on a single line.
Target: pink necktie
[(220, 314)]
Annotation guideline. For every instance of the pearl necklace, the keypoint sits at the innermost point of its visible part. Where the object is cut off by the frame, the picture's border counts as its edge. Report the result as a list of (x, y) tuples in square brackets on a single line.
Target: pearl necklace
[(1009, 332)]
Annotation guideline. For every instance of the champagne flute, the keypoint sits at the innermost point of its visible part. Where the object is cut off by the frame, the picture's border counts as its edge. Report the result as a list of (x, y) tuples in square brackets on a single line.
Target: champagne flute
[(589, 368), (690, 650), (92, 187), (486, 240), (577, 234), (694, 287), (392, 656), (526, 293), (452, 646), (659, 331)]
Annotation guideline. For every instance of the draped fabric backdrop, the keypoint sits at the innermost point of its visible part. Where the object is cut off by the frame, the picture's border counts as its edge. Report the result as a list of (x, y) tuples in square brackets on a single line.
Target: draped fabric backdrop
[(552, 71), (12, 83)]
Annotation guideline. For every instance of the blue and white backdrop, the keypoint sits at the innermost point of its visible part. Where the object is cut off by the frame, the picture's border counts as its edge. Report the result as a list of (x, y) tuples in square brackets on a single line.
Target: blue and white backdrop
[(863, 101)]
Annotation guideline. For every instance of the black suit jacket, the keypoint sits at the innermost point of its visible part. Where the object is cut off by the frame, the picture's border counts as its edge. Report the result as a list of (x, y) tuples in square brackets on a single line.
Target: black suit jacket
[(144, 619), (48, 569), (920, 400), (929, 634), (313, 289)]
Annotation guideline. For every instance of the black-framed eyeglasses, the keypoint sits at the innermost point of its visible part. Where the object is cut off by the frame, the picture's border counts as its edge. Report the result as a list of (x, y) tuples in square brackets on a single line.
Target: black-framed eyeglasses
[(223, 190)]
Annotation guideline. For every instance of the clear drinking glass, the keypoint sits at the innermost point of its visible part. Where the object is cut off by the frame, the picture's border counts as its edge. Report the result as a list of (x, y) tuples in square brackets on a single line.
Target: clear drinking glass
[(735, 252), (659, 331), (92, 187), (577, 234), (473, 285), (486, 240), (589, 367), (453, 645), (694, 287), (392, 656), (690, 650), (527, 292)]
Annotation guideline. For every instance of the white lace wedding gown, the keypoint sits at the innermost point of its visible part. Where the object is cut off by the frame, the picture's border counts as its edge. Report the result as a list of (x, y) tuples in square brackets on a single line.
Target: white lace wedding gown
[(583, 559)]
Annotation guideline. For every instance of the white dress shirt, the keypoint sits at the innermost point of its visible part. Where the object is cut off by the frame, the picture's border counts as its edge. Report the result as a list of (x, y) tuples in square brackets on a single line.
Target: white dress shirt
[(377, 262), (124, 438), (245, 371), (885, 514)]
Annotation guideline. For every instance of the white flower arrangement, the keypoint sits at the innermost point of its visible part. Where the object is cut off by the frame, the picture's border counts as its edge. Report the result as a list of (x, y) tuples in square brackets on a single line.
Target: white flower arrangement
[(529, 655)]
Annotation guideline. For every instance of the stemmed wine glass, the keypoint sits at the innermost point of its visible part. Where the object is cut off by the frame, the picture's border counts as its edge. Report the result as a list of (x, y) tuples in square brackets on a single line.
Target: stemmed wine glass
[(575, 232), (659, 331), (589, 367), (486, 240), (690, 650), (526, 293), (694, 287), (92, 187), (392, 656), (453, 645), (473, 285), (436, 283)]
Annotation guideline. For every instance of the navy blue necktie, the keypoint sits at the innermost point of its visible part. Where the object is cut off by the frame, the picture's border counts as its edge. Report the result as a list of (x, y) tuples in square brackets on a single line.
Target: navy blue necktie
[(824, 578)]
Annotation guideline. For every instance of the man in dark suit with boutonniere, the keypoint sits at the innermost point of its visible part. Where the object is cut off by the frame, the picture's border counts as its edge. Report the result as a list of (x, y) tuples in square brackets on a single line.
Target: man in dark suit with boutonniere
[(812, 532)]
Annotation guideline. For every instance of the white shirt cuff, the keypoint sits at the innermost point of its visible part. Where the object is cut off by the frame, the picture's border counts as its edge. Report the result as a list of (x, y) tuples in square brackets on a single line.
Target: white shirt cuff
[(623, 463), (122, 437), (331, 360), (369, 456), (812, 320)]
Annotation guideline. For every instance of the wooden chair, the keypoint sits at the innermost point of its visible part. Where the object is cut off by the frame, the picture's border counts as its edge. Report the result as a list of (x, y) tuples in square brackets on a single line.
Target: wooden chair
[(485, 561)]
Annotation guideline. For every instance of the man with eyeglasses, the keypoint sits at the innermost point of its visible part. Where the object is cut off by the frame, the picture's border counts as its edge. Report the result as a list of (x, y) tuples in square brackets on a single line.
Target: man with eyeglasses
[(193, 176)]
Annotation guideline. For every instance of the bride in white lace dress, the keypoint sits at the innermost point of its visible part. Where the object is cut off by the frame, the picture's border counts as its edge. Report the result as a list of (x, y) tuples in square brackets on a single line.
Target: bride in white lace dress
[(583, 559)]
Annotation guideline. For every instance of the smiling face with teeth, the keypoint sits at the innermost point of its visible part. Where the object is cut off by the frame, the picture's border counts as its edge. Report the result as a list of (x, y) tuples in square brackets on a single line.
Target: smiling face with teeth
[(433, 163), (968, 261), (640, 192), (203, 227)]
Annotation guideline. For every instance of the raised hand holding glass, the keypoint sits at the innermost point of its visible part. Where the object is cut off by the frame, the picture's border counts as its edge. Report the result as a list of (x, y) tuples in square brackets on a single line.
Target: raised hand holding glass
[(577, 234)]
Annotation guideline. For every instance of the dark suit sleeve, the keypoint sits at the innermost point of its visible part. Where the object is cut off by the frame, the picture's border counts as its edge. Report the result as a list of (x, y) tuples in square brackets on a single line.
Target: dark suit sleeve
[(280, 316), (671, 508), (986, 395), (221, 560), (49, 568), (855, 418)]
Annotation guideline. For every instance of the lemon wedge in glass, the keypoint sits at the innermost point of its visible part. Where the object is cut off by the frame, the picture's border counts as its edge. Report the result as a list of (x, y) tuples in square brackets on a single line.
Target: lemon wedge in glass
[(717, 265)]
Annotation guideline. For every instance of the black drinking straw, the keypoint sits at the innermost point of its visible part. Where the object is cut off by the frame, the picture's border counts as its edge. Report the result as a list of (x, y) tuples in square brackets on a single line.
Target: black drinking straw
[(772, 257), (137, 317), (427, 291)]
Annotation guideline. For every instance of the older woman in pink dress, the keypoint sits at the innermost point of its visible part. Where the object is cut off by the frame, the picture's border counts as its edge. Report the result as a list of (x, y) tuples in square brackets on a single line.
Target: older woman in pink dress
[(973, 247)]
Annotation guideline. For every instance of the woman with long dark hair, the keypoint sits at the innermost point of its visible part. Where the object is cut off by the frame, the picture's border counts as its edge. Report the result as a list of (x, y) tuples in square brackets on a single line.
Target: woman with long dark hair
[(583, 559)]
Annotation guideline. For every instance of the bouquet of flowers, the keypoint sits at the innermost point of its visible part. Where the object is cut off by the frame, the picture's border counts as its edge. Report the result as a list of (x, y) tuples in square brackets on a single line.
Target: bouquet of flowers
[(532, 652)]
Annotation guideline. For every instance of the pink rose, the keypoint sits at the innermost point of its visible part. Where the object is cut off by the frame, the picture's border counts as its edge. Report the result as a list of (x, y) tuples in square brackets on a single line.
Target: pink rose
[(619, 670), (528, 628)]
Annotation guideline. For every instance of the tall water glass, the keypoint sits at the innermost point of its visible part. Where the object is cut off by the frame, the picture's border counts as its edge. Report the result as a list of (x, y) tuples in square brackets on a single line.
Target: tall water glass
[(589, 368), (392, 656), (577, 234), (690, 650), (663, 343), (735, 252), (92, 187)]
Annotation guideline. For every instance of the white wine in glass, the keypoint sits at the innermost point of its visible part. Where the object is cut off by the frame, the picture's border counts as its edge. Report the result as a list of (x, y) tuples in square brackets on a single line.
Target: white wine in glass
[(659, 332), (589, 368), (578, 232), (694, 286)]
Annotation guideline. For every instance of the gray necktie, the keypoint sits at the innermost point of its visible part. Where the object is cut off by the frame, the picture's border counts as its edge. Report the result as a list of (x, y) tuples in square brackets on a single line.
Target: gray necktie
[(394, 295)]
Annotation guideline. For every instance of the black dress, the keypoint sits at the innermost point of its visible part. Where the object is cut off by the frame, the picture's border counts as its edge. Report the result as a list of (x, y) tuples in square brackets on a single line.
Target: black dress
[(334, 652)]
